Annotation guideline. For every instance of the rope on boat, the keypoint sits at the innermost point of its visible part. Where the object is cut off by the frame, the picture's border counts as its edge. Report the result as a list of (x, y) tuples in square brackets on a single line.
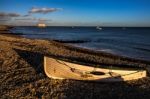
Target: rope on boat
[(89, 73), (78, 71)]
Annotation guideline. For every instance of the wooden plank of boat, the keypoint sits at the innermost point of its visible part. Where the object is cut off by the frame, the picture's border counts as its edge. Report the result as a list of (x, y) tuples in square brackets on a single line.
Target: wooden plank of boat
[(59, 69)]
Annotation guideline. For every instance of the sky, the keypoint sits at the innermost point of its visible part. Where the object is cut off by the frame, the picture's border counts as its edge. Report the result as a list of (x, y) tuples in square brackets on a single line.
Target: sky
[(76, 12)]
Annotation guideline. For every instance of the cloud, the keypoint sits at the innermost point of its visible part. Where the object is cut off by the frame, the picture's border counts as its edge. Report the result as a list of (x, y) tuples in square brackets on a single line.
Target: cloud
[(24, 21), (33, 19), (6, 18), (3, 19), (3, 14), (26, 15), (43, 10), (43, 19), (16, 18)]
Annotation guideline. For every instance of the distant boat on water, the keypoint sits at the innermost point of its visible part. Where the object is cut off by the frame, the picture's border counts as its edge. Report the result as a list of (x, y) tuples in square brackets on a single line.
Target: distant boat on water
[(99, 28)]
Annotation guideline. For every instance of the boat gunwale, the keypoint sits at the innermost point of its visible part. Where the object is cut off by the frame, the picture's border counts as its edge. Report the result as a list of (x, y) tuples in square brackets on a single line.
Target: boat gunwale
[(94, 64)]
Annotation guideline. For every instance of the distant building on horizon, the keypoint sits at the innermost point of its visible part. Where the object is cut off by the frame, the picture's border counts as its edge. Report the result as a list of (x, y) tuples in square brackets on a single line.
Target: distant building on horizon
[(41, 25)]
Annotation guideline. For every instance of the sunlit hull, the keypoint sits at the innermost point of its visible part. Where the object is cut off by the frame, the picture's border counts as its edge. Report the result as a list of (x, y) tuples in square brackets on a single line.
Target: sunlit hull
[(59, 69)]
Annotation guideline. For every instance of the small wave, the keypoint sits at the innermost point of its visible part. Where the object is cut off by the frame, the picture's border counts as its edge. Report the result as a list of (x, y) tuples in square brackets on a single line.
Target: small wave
[(142, 49), (27, 34), (107, 50), (72, 41)]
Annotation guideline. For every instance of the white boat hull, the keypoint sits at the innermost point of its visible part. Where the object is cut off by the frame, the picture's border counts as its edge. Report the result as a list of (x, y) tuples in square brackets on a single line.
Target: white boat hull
[(58, 69)]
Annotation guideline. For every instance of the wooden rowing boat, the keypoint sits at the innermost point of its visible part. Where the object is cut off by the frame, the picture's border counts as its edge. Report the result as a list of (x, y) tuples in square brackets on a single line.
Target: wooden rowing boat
[(60, 69)]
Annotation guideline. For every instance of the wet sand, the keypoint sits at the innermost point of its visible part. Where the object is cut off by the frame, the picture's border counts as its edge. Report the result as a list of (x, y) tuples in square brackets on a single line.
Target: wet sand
[(22, 74)]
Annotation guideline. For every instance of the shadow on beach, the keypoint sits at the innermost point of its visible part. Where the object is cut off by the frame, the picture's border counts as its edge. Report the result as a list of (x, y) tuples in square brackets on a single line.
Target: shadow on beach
[(35, 60)]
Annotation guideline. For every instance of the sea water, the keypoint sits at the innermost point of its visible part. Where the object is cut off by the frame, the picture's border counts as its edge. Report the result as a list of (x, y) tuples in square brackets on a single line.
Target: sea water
[(131, 42)]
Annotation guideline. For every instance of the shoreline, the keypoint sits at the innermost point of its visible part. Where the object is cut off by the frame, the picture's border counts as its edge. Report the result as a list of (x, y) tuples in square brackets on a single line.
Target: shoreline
[(80, 49), (106, 56), (138, 51), (23, 75), (84, 51)]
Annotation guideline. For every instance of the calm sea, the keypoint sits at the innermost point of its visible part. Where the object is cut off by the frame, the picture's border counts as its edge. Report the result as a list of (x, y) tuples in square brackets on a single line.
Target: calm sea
[(130, 42)]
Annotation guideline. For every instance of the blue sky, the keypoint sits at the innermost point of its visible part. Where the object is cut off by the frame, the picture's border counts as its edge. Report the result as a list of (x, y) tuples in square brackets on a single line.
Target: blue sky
[(78, 12)]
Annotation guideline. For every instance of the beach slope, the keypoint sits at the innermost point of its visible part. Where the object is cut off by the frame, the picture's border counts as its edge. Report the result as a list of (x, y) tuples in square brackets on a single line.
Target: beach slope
[(22, 73)]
